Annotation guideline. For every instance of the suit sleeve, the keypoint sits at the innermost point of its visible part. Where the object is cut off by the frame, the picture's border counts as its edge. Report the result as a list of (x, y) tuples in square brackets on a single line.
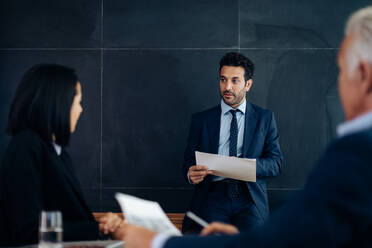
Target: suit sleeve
[(333, 209), (270, 162), (193, 144)]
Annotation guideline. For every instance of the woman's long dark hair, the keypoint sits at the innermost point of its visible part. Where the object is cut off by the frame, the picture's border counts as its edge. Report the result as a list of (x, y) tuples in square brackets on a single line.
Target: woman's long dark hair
[(42, 102)]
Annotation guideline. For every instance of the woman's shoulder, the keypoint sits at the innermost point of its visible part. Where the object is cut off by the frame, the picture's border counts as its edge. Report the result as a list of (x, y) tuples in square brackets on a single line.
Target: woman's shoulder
[(25, 149), (27, 135), (27, 139)]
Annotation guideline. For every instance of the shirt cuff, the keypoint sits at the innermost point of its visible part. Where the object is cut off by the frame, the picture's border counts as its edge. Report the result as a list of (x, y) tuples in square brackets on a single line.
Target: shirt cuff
[(160, 240)]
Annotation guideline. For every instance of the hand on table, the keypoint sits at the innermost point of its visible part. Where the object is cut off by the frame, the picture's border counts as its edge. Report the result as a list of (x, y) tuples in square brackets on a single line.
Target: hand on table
[(197, 173), (109, 223), (217, 227)]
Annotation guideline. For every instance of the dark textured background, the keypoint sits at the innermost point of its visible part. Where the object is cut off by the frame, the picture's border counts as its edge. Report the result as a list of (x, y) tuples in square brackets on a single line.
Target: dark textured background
[(146, 66)]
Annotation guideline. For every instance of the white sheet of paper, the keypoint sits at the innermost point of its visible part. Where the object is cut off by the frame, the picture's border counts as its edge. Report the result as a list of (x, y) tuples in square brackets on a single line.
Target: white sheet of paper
[(145, 213), (229, 167)]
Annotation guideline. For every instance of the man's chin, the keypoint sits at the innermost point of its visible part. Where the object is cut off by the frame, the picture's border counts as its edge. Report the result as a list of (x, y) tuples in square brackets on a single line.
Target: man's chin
[(228, 102)]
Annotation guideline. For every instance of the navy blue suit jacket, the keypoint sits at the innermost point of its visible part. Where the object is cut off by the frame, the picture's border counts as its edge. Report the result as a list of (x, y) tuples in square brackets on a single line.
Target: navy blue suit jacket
[(261, 141), (334, 209)]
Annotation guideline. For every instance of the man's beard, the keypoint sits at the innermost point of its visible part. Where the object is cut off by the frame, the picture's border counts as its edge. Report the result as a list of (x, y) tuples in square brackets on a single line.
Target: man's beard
[(236, 99)]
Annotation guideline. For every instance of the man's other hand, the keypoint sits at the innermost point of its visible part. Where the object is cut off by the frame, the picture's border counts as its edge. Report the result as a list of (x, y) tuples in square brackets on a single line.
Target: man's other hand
[(217, 227), (109, 223)]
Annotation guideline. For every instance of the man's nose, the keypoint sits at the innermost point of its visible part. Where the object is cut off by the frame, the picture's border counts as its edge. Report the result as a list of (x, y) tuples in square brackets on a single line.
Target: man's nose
[(228, 85)]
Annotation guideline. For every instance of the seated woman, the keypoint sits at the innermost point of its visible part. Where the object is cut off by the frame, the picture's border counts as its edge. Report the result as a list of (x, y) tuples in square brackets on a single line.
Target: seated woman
[(37, 173)]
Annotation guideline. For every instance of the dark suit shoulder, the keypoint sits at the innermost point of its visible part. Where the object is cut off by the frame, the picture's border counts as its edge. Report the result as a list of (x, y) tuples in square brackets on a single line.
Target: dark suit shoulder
[(363, 136), (207, 112), (23, 145), (358, 144), (26, 138), (346, 157), (258, 109)]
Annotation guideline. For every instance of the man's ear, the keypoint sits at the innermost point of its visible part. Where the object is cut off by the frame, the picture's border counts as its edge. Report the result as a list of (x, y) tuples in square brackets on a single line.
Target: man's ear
[(248, 84), (365, 74)]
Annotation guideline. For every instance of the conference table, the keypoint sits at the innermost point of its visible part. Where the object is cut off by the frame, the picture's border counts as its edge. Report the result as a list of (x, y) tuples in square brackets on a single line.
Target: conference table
[(87, 244)]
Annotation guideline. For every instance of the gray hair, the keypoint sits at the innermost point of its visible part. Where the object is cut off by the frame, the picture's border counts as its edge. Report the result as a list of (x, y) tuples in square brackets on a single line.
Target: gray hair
[(360, 25)]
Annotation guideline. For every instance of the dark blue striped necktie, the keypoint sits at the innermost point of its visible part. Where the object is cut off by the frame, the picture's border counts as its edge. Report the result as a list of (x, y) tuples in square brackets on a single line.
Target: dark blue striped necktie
[(233, 134)]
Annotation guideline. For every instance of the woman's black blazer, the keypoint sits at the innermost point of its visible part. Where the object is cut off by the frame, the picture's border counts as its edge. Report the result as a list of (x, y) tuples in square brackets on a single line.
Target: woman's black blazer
[(34, 178)]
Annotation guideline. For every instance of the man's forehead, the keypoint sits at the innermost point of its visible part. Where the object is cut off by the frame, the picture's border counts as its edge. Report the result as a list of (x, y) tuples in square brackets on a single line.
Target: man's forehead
[(232, 71)]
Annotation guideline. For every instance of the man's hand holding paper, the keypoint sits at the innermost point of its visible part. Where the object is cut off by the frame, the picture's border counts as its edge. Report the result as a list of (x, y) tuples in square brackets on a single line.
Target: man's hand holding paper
[(230, 167), (197, 173)]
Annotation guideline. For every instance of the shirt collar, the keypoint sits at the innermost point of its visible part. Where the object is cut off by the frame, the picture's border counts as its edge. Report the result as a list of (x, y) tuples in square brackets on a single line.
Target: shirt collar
[(226, 108), (58, 148), (355, 125)]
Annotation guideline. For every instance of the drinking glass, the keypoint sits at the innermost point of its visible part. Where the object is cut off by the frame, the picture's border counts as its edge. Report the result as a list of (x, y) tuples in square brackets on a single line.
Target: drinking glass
[(50, 229)]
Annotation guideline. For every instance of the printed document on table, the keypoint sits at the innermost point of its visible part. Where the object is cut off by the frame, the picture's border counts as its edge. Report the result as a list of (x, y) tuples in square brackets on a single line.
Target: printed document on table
[(230, 167), (145, 213)]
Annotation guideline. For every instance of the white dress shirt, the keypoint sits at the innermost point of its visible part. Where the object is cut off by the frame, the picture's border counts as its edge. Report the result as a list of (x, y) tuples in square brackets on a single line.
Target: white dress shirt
[(58, 148), (355, 125)]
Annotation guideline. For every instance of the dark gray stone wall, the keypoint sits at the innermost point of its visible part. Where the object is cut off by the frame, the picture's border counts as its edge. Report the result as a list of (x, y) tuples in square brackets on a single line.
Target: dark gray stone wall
[(146, 66)]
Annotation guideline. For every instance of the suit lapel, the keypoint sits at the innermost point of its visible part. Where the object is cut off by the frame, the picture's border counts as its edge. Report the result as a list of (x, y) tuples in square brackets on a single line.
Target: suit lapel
[(64, 165), (213, 130), (213, 125), (71, 177), (249, 128)]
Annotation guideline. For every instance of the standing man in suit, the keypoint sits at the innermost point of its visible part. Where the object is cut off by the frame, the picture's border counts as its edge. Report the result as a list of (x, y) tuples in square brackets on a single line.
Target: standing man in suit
[(334, 209), (237, 128)]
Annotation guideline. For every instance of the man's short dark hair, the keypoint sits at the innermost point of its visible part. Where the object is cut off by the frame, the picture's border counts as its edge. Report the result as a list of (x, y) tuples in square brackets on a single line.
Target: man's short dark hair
[(43, 101), (238, 59)]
